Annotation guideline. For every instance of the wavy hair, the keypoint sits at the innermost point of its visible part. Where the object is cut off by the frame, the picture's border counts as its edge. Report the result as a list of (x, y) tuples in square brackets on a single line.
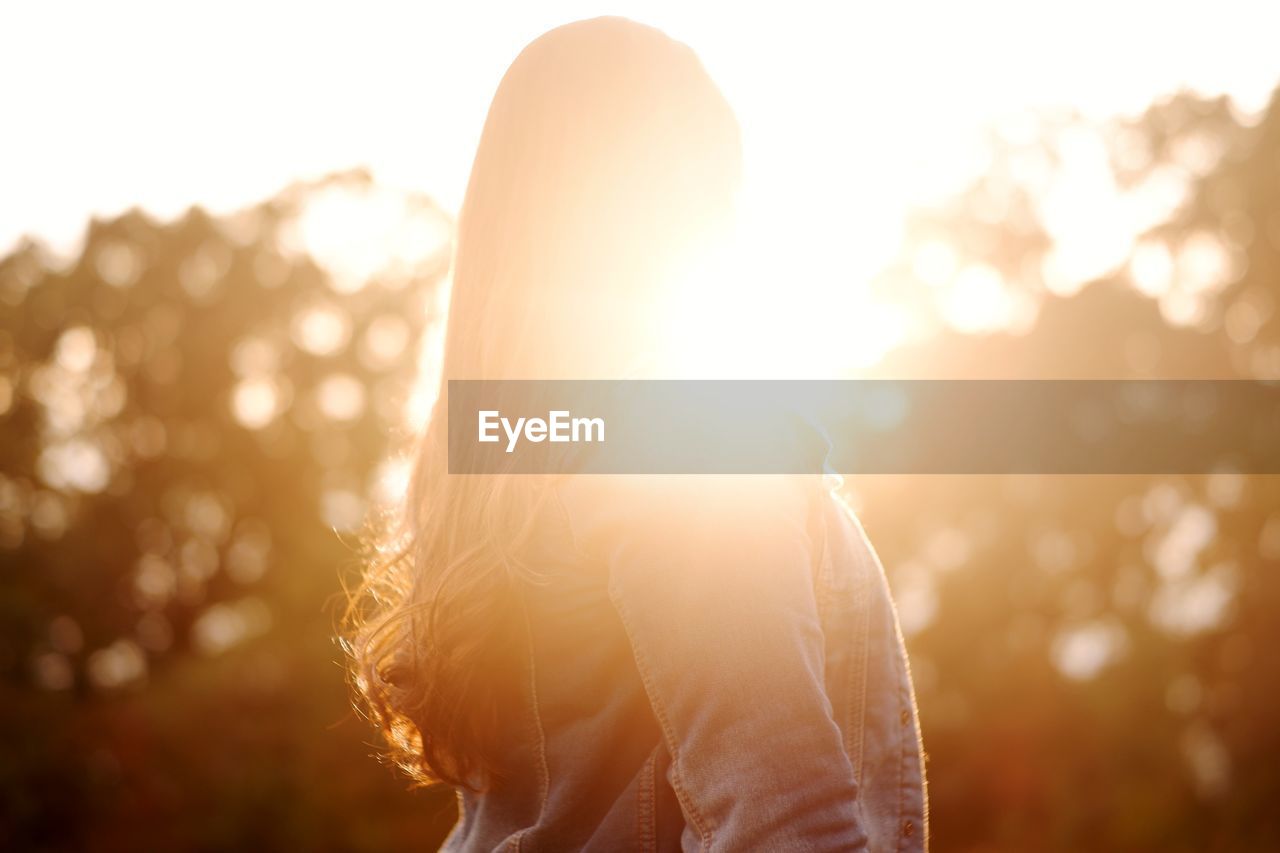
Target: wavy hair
[(607, 156)]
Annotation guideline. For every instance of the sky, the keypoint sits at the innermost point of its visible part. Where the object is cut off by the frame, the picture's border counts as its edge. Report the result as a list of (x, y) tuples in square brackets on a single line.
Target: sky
[(851, 112)]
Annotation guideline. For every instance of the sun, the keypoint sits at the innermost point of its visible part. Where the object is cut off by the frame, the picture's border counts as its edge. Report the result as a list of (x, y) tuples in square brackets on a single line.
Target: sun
[(747, 308)]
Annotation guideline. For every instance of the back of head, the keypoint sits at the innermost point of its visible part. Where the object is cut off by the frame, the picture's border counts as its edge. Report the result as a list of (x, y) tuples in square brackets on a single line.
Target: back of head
[(607, 158)]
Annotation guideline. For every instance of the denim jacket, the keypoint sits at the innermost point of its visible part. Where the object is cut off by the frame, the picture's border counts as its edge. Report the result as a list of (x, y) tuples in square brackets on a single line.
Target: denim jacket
[(713, 665)]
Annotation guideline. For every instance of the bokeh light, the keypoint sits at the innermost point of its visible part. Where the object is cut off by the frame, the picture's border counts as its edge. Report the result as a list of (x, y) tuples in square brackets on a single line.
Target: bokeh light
[(202, 407)]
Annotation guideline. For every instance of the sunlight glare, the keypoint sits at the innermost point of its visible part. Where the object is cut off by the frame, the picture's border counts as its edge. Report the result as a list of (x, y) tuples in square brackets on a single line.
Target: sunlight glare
[(744, 310)]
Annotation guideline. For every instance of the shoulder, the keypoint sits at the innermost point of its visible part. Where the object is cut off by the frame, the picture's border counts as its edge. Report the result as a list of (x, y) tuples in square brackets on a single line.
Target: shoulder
[(603, 509)]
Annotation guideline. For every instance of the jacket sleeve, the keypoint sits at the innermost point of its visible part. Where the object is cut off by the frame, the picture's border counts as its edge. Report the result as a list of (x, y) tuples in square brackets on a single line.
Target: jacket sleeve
[(712, 579)]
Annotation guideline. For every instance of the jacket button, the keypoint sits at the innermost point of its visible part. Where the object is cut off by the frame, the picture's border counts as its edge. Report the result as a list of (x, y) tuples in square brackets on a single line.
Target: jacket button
[(905, 716), (908, 829)]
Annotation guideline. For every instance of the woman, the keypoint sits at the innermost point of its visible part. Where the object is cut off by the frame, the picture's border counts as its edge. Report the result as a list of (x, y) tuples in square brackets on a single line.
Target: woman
[(607, 663)]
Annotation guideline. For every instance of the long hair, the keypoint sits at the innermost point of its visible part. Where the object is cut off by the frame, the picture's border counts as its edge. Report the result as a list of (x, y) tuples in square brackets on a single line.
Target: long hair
[(608, 155)]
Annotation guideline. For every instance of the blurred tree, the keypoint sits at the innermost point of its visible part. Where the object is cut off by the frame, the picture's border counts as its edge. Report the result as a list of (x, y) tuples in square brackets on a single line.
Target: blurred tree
[(1091, 652), (193, 415)]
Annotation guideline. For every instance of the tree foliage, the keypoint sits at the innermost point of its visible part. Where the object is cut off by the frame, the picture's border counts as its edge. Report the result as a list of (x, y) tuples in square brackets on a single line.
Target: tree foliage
[(198, 414)]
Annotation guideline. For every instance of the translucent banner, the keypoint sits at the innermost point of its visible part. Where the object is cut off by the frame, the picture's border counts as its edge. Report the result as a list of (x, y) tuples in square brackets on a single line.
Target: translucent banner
[(864, 427)]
